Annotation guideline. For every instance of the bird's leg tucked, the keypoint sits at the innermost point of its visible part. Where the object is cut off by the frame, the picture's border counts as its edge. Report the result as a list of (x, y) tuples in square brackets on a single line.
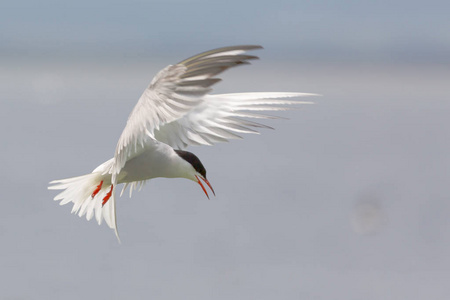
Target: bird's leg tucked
[(97, 189), (108, 195)]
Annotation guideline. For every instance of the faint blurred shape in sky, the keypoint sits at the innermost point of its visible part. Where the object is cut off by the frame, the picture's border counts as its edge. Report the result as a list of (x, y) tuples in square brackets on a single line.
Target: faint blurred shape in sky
[(368, 216)]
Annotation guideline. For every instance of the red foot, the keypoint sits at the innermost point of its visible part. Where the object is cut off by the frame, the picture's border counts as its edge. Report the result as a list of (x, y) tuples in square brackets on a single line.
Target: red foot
[(97, 189), (107, 196)]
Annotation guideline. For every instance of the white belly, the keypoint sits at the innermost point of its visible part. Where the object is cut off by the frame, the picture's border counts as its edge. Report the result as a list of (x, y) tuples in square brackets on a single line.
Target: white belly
[(160, 161)]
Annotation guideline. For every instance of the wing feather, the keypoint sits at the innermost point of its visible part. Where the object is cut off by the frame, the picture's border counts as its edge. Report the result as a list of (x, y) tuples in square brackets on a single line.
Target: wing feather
[(220, 118), (173, 93)]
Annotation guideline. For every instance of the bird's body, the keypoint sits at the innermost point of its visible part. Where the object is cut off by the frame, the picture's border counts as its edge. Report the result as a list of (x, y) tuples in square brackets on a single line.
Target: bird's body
[(158, 161), (175, 111)]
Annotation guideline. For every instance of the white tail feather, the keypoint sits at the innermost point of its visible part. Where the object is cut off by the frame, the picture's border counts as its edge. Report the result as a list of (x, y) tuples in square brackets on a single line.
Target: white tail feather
[(79, 191)]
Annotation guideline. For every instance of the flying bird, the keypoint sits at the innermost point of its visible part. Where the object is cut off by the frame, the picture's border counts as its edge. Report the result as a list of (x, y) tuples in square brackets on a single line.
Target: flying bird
[(175, 111)]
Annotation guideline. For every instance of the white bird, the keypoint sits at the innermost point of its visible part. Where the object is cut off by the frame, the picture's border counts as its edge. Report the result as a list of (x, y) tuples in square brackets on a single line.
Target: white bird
[(175, 111)]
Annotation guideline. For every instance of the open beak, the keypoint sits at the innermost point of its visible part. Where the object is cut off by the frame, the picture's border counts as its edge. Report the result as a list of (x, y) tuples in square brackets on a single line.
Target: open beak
[(201, 184)]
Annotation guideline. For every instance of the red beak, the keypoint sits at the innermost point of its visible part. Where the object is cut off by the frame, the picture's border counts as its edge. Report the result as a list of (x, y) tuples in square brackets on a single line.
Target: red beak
[(207, 182)]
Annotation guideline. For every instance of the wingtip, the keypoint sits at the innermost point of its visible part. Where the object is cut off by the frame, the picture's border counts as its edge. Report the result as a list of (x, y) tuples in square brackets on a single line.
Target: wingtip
[(254, 47), (245, 47), (296, 94)]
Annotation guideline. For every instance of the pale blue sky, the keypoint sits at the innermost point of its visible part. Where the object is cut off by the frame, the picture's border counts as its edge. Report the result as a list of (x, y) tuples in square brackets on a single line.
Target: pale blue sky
[(347, 199), (405, 31)]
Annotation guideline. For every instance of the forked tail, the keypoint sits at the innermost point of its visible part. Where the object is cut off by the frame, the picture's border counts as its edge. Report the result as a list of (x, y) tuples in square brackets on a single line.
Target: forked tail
[(91, 194)]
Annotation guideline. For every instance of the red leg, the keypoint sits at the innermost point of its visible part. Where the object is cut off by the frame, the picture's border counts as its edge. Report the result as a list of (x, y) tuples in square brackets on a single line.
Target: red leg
[(97, 189), (107, 196)]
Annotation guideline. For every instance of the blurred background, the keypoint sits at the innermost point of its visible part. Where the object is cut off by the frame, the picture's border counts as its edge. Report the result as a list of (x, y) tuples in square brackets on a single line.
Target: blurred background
[(348, 199)]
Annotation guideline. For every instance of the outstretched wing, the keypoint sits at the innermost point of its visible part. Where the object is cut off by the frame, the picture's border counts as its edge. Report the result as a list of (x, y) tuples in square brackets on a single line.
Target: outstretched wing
[(220, 118), (174, 92)]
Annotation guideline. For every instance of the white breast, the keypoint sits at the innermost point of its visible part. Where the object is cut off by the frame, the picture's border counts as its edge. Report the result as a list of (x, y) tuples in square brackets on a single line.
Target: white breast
[(159, 161)]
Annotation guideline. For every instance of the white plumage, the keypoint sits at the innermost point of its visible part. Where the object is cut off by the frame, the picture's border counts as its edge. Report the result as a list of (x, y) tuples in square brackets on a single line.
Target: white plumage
[(175, 111)]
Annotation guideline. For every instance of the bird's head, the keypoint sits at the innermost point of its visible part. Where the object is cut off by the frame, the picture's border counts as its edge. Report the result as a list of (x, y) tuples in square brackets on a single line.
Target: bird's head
[(197, 172)]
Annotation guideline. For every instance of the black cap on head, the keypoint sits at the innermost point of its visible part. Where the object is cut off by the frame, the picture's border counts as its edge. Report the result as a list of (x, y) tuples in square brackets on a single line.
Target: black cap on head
[(193, 160)]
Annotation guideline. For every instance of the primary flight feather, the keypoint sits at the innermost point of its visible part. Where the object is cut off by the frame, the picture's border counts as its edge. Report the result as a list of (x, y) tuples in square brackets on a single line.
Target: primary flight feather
[(174, 112)]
